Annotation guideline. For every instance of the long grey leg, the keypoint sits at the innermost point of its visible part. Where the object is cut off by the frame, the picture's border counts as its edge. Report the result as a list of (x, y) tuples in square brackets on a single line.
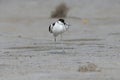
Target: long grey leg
[(62, 43), (55, 41)]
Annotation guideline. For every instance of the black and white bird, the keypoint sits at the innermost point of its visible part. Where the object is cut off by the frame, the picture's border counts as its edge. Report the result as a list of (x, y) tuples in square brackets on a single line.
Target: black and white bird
[(58, 28)]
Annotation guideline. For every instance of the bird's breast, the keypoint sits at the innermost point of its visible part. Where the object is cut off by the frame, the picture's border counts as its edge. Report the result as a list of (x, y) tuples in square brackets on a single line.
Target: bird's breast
[(58, 29)]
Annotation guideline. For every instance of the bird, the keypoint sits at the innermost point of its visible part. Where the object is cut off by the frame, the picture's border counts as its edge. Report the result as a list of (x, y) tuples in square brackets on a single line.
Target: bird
[(58, 28)]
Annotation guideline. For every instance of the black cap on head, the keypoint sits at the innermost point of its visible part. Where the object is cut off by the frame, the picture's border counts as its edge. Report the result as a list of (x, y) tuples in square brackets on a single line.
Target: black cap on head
[(62, 20)]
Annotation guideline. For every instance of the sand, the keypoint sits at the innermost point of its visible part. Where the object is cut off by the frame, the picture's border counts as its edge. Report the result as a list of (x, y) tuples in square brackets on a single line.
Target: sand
[(28, 52)]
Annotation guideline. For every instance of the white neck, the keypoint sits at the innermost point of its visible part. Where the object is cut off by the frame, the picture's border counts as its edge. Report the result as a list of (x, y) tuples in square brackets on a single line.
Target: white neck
[(60, 22)]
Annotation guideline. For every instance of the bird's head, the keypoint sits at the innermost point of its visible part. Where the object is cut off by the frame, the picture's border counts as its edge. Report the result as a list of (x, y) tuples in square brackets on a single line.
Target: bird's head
[(62, 20)]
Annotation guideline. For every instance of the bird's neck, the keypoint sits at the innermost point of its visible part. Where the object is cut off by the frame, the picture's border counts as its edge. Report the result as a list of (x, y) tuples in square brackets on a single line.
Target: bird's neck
[(59, 22)]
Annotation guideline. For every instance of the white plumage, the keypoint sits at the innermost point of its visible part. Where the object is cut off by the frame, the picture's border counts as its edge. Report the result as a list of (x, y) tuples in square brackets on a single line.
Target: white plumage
[(58, 27)]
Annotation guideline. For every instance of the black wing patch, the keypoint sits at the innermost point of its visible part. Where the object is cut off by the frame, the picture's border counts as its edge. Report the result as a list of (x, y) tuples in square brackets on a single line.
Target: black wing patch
[(50, 29), (64, 23), (53, 24)]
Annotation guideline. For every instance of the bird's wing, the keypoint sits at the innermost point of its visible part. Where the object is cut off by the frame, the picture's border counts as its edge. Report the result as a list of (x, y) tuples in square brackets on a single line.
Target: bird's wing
[(51, 27)]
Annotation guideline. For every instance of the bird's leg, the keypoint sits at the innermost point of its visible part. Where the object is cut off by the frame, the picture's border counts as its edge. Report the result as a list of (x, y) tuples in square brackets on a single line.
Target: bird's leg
[(55, 41), (62, 43)]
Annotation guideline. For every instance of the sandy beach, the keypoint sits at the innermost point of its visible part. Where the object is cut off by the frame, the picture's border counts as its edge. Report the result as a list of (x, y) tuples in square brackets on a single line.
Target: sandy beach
[(92, 43)]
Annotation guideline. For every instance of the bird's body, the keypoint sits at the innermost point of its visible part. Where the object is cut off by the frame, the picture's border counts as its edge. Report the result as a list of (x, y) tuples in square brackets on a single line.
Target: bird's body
[(58, 27)]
